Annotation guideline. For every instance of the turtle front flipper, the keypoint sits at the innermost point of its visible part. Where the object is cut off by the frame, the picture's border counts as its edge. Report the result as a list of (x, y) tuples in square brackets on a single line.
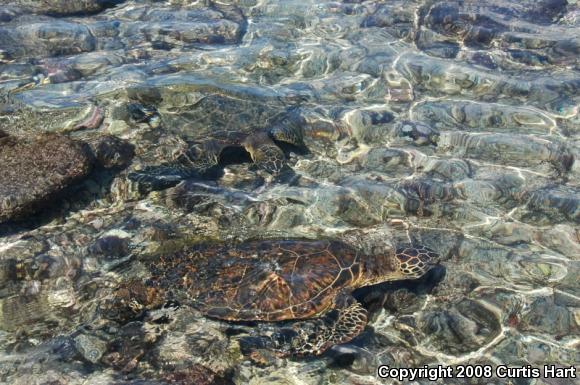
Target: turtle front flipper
[(132, 299), (313, 337), (336, 327), (265, 153)]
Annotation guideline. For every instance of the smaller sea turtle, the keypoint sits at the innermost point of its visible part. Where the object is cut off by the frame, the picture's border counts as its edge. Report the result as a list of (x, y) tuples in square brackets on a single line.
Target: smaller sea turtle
[(201, 157), (280, 281), (218, 141)]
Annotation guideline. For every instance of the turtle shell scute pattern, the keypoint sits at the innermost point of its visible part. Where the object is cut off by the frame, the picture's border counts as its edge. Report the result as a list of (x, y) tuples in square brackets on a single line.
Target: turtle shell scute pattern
[(263, 280)]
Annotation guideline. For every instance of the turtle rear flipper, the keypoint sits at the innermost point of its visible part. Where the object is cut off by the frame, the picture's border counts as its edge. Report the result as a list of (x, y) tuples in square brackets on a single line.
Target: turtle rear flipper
[(313, 337), (155, 178)]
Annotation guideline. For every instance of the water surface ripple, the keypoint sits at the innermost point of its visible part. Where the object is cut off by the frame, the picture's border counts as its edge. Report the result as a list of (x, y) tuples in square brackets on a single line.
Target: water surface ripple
[(453, 124)]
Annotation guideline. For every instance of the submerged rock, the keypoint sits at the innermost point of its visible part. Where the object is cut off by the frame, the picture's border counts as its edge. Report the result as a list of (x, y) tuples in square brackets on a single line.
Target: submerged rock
[(463, 327), (517, 150), (51, 38), (35, 172), (18, 118), (110, 247), (91, 348), (196, 374), (557, 203), (66, 7)]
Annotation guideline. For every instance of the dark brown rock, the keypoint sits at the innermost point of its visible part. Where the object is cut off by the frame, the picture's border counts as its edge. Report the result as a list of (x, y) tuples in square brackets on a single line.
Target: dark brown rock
[(196, 374), (112, 152), (34, 172)]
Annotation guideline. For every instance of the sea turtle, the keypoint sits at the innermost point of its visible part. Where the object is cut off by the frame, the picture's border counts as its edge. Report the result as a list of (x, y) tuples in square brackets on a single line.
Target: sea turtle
[(210, 137), (274, 281), (212, 130), (201, 157)]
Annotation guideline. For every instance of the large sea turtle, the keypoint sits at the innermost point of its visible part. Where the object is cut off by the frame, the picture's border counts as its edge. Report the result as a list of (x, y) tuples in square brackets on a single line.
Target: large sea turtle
[(279, 281)]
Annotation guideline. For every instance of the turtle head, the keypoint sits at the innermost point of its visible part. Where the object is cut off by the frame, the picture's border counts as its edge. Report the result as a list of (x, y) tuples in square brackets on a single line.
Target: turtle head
[(407, 263), (414, 262), (265, 153)]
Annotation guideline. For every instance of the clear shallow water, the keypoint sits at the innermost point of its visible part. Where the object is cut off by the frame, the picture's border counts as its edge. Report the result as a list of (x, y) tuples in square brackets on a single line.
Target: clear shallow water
[(489, 179)]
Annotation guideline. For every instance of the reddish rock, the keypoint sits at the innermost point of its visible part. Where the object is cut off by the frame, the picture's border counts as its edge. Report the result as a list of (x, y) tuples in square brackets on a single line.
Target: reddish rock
[(34, 172), (194, 375)]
